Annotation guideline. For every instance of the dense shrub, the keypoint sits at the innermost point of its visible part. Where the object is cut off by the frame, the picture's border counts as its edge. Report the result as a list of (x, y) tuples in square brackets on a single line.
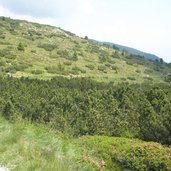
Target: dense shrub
[(67, 63), (168, 78), (115, 54), (69, 55), (52, 69), (20, 47), (108, 65), (127, 154), (111, 61), (2, 36), (114, 68), (2, 62), (81, 106), (104, 56), (33, 51), (77, 69), (101, 68), (47, 47), (138, 71), (130, 63), (94, 49), (90, 66), (21, 66)]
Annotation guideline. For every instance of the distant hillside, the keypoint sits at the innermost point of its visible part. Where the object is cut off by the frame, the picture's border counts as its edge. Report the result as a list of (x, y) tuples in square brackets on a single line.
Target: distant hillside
[(41, 51), (136, 52), (130, 50)]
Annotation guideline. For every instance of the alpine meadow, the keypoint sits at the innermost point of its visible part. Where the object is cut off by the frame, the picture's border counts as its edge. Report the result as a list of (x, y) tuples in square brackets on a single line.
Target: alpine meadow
[(69, 103)]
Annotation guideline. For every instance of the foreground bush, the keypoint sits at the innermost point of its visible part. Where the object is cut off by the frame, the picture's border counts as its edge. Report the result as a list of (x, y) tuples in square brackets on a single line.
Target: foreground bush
[(123, 153)]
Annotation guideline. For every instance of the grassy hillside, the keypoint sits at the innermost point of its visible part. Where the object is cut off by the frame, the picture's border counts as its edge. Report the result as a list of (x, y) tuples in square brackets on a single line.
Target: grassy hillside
[(41, 51), (24, 146)]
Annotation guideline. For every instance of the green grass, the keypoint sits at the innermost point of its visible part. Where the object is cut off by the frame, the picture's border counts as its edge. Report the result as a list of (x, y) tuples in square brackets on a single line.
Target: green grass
[(46, 46), (29, 147)]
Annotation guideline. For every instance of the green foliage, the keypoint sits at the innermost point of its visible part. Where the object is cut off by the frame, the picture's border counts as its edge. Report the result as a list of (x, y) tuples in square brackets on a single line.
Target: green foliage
[(111, 61), (90, 66), (52, 69), (7, 53), (20, 66), (114, 68), (57, 69), (108, 65), (2, 36), (128, 154), (168, 78), (74, 57), (115, 54), (131, 78), (81, 106), (101, 68), (63, 53), (130, 62), (8, 110), (77, 70), (104, 56), (2, 62), (61, 67), (37, 71), (69, 55), (67, 63), (20, 47), (138, 71), (47, 47), (94, 49), (33, 51)]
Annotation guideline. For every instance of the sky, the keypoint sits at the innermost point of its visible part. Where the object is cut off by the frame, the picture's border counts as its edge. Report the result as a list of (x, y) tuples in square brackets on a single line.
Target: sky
[(141, 24)]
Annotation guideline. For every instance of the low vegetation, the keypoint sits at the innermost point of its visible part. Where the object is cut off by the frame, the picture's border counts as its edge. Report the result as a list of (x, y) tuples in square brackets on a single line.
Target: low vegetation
[(24, 146), (81, 106), (37, 147), (23, 43), (128, 154)]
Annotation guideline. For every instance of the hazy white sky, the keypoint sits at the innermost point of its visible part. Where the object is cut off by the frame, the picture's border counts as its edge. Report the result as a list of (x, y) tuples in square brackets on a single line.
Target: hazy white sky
[(141, 24)]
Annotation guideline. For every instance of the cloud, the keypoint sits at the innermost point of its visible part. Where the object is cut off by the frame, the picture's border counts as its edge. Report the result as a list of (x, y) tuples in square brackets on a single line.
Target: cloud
[(6, 12), (43, 8), (48, 8)]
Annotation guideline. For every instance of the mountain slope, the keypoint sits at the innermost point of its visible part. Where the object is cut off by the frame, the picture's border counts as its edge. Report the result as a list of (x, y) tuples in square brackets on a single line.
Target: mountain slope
[(41, 51), (130, 50), (136, 52)]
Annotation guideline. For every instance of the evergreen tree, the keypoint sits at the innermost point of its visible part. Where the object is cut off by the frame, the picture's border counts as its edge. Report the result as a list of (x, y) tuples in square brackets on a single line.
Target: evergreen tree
[(20, 47)]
